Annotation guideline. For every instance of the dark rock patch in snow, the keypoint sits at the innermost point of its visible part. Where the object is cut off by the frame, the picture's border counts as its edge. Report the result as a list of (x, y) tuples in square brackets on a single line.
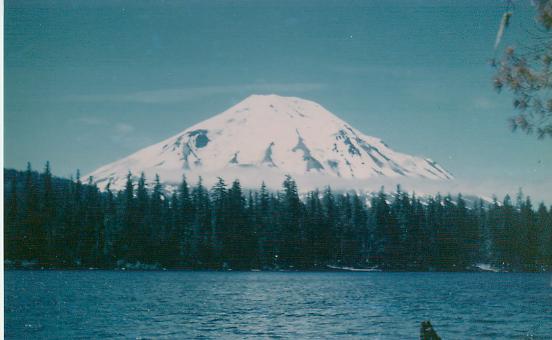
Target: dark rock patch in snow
[(234, 159), (377, 161), (177, 144), (312, 163), (397, 169), (267, 159), (201, 141), (197, 132), (102, 180), (377, 171), (353, 150), (370, 149), (187, 151), (350, 168), (334, 165), (300, 114), (431, 172), (200, 138), (436, 167)]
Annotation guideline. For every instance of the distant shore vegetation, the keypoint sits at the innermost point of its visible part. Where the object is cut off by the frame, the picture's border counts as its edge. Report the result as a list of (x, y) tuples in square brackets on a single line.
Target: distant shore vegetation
[(51, 222)]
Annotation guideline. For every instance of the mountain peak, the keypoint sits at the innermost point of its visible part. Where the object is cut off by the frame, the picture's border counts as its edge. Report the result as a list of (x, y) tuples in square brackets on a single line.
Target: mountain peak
[(286, 135), (273, 98), (273, 103)]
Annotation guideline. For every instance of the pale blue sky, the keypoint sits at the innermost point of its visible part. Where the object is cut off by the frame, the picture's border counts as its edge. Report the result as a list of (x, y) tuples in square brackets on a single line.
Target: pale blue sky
[(89, 82)]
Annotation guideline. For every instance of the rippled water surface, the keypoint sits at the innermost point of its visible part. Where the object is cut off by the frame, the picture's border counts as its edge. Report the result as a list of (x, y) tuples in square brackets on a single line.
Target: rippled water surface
[(114, 304)]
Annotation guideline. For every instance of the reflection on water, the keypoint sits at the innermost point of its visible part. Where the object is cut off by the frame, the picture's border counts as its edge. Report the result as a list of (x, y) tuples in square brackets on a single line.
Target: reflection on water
[(103, 304)]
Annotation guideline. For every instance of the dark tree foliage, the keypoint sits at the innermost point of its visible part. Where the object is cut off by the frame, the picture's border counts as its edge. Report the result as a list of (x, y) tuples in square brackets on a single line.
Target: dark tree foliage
[(11, 220), (62, 223), (525, 72)]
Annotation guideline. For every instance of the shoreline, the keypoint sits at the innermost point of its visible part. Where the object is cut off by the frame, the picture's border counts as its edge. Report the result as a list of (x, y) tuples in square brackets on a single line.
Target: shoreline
[(254, 270)]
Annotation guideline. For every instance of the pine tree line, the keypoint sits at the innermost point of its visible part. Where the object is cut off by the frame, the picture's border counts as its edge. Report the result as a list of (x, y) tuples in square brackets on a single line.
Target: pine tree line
[(66, 224)]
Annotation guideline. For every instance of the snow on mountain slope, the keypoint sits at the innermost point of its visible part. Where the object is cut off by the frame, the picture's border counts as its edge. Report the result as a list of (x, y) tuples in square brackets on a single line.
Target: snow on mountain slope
[(270, 134)]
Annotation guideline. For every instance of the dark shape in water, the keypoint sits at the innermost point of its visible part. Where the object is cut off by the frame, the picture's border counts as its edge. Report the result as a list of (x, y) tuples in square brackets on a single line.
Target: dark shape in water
[(427, 332)]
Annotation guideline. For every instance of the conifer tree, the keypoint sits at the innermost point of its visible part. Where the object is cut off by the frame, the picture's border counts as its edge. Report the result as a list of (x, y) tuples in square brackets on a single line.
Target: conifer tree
[(468, 234), (401, 209), (242, 245), (291, 250), (386, 251), (529, 238), (128, 238), (543, 223), (48, 211), (172, 250), (111, 225), (203, 233), (220, 211), (330, 236), (157, 222), (265, 229), (183, 224), (418, 238), (34, 235), (13, 242), (142, 234), (92, 238), (507, 232), (316, 233)]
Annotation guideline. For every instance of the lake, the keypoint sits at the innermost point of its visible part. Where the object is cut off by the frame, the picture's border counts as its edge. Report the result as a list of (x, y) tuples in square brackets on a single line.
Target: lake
[(180, 304)]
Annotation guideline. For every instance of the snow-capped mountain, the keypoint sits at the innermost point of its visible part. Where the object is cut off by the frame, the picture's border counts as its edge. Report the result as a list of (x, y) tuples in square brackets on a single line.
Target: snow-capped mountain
[(270, 135)]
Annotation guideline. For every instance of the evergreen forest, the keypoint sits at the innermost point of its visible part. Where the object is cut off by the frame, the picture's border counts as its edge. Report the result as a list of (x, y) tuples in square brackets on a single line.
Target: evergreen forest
[(52, 222)]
